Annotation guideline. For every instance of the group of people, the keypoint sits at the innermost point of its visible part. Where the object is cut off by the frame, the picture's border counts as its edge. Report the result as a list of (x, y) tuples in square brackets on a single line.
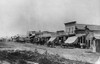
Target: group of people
[(39, 40)]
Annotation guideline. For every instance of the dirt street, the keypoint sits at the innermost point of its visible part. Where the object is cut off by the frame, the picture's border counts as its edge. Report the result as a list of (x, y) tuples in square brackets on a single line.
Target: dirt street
[(72, 54)]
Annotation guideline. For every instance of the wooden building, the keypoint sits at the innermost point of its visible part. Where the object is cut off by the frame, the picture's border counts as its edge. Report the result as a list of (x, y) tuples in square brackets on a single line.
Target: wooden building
[(85, 30)]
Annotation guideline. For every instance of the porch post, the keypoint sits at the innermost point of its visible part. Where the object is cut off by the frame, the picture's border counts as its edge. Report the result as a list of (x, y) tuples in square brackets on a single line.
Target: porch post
[(94, 46), (90, 43), (80, 42)]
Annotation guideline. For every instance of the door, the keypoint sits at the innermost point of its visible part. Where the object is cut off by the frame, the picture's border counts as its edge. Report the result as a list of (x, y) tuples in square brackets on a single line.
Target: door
[(98, 45)]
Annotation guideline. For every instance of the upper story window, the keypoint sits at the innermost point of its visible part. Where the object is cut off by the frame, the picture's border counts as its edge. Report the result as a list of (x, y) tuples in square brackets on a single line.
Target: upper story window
[(73, 29), (69, 30)]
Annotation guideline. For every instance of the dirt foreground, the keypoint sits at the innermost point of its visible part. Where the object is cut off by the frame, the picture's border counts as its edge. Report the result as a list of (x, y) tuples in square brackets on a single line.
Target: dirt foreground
[(83, 55)]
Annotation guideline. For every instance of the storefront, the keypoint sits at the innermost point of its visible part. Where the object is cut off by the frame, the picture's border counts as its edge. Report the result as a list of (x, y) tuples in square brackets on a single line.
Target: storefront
[(96, 44), (77, 40)]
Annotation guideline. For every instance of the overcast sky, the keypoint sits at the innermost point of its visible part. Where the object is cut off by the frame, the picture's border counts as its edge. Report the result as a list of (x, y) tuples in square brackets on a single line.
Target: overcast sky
[(20, 16)]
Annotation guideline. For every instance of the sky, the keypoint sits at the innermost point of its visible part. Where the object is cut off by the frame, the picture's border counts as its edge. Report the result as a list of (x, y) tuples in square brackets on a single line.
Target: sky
[(20, 16)]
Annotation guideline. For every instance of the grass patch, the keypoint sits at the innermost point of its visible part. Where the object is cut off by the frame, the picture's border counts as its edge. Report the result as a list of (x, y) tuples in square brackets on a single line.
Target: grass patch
[(22, 57)]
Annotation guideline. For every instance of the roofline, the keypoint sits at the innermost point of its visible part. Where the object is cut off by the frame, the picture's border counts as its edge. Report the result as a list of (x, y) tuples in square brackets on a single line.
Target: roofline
[(73, 22), (87, 24), (80, 23)]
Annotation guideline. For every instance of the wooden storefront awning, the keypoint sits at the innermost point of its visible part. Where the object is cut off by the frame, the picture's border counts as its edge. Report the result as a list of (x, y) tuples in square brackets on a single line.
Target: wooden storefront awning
[(71, 39)]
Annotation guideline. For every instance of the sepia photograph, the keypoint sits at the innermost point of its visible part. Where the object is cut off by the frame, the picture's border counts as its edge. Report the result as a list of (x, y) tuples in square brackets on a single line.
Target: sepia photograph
[(50, 32)]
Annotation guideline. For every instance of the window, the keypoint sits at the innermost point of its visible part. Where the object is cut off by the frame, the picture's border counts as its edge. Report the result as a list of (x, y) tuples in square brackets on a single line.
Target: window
[(69, 30), (72, 30)]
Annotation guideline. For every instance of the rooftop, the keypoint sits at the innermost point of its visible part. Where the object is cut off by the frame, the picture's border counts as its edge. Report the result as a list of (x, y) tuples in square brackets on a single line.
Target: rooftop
[(91, 27), (82, 26)]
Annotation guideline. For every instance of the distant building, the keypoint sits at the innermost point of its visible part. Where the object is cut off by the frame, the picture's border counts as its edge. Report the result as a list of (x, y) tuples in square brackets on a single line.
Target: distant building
[(31, 33), (41, 33), (60, 32), (45, 34)]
